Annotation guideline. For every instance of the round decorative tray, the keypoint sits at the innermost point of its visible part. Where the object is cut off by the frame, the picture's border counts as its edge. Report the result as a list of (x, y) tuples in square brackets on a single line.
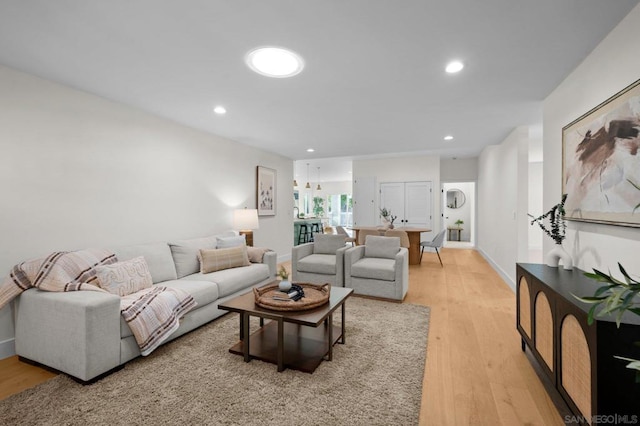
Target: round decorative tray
[(314, 295)]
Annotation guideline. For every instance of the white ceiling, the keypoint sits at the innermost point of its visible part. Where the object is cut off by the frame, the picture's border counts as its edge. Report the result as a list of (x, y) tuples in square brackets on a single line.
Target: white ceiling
[(374, 81)]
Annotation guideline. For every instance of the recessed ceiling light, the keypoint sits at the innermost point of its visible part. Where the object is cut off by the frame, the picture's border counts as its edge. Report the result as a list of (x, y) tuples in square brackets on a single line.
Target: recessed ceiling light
[(310, 150), (274, 62), (220, 110), (454, 66), (448, 138)]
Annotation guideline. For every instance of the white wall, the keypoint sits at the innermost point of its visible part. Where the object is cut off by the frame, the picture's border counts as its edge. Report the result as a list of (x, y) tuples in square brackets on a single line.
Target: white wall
[(404, 169), (612, 66), (80, 171), (536, 176), (502, 203), (459, 170)]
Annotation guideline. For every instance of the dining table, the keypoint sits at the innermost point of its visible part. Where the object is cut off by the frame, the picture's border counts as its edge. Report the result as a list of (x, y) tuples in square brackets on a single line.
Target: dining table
[(412, 232)]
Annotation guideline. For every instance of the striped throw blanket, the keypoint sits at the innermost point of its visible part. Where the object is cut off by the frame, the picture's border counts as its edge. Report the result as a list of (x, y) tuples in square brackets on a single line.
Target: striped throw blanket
[(152, 314)]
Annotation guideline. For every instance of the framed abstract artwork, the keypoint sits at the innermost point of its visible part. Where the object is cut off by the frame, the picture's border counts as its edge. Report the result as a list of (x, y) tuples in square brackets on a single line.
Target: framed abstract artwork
[(601, 162), (266, 193)]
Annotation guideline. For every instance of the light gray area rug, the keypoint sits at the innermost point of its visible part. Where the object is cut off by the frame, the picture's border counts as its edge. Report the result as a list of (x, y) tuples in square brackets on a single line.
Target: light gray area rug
[(375, 379)]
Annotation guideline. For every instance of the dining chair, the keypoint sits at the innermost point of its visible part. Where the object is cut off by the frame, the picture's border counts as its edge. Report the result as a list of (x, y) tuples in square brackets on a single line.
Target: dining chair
[(341, 231), (362, 235), (404, 237), (436, 243)]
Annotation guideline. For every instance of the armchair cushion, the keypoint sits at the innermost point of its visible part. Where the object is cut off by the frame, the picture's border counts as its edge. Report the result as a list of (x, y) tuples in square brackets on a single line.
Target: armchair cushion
[(375, 269), (318, 264), (327, 244), (381, 247)]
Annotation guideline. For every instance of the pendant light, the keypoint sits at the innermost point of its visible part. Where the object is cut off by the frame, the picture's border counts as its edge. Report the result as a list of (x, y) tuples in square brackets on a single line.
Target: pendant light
[(307, 185), (319, 188), (295, 183)]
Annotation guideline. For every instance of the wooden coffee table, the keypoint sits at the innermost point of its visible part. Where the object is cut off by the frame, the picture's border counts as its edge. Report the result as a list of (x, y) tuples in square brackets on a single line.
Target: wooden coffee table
[(299, 340)]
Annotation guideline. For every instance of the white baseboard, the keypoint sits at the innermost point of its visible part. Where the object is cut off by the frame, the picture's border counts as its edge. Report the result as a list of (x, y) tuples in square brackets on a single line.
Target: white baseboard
[(7, 348), (498, 269), (284, 258)]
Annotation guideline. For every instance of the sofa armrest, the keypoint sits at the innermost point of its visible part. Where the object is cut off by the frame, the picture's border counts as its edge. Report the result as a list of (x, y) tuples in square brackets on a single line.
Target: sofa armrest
[(340, 265), (351, 255), (402, 273), (300, 251), (75, 332), (271, 259), (297, 253)]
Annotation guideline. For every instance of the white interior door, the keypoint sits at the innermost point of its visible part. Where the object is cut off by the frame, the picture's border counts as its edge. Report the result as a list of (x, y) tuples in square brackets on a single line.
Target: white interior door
[(392, 198), (418, 204), (364, 195)]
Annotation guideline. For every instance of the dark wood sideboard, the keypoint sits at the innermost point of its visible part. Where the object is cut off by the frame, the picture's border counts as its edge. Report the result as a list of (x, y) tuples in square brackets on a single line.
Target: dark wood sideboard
[(577, 358)]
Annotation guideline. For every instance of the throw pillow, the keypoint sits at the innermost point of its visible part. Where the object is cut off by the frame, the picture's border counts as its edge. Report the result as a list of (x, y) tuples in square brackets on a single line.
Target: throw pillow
[(219, 259), (185, 254), (228, 242), (123, 278), (384, 247), (327, 244), (256, 254)]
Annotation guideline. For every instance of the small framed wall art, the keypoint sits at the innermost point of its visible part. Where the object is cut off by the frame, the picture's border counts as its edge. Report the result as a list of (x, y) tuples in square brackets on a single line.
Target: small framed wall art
[(601, 162), (266, 191)]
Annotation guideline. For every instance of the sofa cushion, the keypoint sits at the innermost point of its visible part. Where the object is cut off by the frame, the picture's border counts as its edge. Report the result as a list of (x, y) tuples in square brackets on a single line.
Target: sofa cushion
[(126, 277), (318, 264), (232, 280), (219, 259), (382, 247), (185, 254), (327, 244), (228, 242), (374, 268), (203, 292), (157, 255)]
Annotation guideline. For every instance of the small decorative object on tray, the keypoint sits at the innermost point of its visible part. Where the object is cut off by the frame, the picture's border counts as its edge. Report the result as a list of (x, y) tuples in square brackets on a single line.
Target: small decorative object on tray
[(295, 293), (302, 296), (284, 285)]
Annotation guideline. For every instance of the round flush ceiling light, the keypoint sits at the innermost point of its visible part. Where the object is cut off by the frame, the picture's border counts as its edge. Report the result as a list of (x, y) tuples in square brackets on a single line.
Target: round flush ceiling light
[(448, 138), (454, 67), (274, 62), (310, 150), (220, 110)]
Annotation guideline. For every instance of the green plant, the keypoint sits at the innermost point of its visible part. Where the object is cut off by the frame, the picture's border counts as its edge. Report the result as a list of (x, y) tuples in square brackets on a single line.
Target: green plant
[(282, 273), (386, 215), (318, 206), (556, 221), (459, 222), (615, 298)]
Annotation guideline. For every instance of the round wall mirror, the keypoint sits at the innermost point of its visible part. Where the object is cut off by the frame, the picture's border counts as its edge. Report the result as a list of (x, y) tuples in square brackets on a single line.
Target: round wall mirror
[(455, 198)]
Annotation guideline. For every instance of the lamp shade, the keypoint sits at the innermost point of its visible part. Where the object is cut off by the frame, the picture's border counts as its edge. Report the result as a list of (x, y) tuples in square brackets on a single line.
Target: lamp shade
[(245, 219)]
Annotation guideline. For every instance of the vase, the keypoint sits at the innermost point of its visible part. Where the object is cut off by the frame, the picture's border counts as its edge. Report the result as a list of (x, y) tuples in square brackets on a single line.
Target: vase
[(284, 286), (557, 254)]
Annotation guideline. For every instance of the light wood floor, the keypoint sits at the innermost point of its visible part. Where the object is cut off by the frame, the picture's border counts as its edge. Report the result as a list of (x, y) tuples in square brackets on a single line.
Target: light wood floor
[(475, 372)]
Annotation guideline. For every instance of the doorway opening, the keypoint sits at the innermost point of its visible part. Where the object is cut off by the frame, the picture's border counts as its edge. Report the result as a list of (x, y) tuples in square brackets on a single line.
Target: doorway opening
[(459, 214)]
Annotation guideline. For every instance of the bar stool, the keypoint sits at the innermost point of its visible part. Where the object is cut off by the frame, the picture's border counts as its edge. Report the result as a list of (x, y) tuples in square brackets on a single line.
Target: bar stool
[(303, 237), (315, 229)]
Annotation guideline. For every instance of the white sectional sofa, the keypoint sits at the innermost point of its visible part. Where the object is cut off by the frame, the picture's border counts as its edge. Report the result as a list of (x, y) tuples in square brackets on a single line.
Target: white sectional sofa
[(83, 334)]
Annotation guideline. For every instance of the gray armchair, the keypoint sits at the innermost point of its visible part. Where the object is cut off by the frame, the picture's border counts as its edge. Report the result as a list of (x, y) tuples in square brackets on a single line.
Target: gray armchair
[(321, 261), (379, 268)]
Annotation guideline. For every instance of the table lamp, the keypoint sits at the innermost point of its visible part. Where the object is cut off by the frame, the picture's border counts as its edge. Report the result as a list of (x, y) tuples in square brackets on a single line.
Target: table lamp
[(245, 221)]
